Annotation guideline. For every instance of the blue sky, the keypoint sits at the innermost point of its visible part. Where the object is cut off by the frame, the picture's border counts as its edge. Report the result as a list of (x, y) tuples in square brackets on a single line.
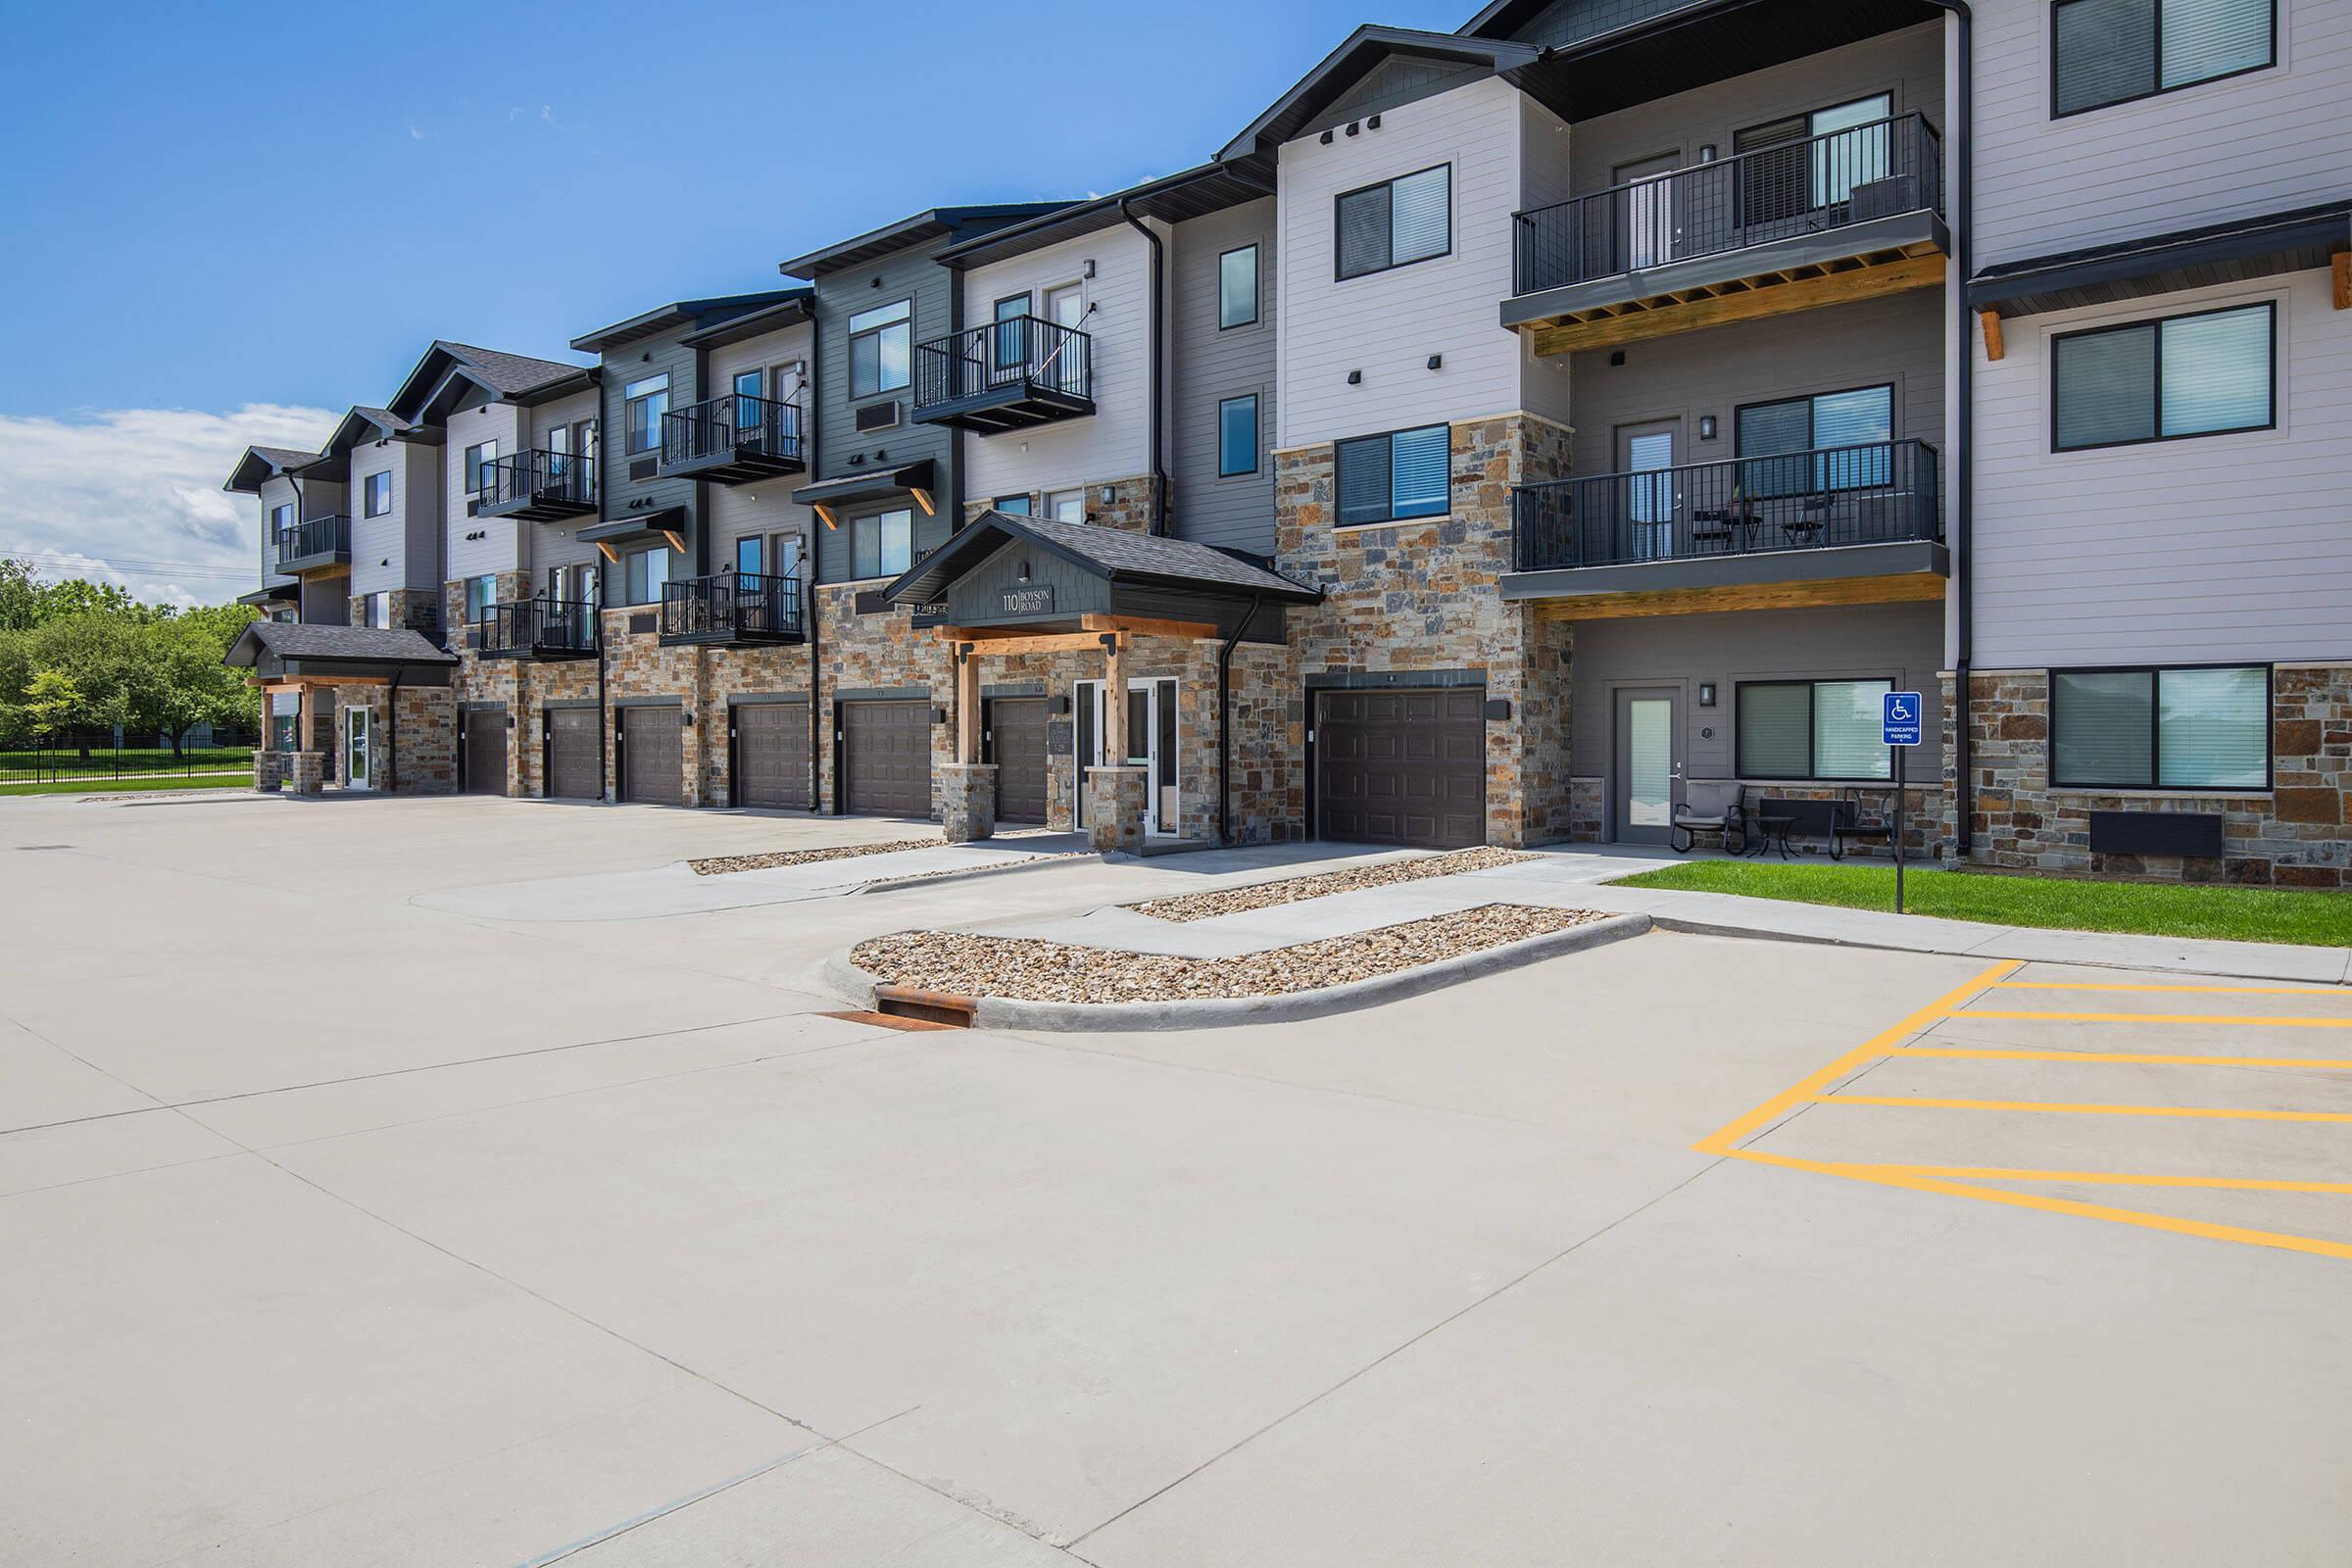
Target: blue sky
[(229, 221)]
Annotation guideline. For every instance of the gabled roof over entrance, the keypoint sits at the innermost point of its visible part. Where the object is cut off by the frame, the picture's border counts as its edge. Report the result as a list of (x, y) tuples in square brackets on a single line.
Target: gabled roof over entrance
[(286, 651), (1079, 569)]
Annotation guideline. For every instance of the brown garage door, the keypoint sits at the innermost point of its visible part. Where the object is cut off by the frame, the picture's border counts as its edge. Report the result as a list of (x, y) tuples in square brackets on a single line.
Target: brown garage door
[(771, 755), (485, 751), (574, 772), (653, 756), (1016, 741), (886, 759), (1402, 767)]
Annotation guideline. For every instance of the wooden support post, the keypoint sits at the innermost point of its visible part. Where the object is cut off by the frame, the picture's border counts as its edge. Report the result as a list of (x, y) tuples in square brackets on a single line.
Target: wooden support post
[(967, 704), (2343, 264), (1991, 322), (1114, 700)]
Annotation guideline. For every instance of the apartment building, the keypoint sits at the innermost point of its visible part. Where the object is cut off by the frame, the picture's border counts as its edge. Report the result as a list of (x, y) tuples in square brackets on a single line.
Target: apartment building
[(1506, 434)]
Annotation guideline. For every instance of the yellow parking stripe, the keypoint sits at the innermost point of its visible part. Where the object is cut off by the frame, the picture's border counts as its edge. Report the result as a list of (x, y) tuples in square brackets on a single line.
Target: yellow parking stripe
[(2234, 990), (1911, 1102), (2272, 1021), (2065, 1205), (1722, 1139), (2007, 1173), (2153, 1059)]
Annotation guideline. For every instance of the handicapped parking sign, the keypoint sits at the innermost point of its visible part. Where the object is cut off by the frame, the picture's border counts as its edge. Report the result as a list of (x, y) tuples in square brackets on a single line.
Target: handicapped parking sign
[(1899, 718)]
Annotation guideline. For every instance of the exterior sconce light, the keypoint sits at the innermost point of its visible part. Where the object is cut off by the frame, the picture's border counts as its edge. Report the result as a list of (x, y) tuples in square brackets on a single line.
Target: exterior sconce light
[(1110, 494), (1706, 694), (1437, 362), (1355, 378), (1090, 267), (1706, 427)]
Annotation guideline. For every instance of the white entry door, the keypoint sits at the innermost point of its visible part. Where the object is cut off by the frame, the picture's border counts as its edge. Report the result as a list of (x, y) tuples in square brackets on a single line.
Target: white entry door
[(1150, 745), (358, 765)]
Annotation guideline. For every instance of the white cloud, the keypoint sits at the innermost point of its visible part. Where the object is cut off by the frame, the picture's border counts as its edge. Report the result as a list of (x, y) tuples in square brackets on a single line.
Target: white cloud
[(132, 496), (415, 135)]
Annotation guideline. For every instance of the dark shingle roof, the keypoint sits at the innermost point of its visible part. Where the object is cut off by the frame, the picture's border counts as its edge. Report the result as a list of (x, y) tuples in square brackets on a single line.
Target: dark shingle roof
[(293, 640), (509, 373), (1117, 554), (385, 418), (286, 457)]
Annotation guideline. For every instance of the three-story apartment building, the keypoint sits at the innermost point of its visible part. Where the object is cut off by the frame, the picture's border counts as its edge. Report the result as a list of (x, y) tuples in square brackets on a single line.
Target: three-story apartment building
[(1506, 435)]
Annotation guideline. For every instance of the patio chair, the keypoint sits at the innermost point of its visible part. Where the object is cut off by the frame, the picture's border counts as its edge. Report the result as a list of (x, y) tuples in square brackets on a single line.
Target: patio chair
[(1852, 822), (1709, 806)]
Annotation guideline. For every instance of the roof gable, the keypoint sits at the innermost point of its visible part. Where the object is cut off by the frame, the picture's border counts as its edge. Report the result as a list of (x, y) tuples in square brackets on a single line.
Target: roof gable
[(1345, 71)]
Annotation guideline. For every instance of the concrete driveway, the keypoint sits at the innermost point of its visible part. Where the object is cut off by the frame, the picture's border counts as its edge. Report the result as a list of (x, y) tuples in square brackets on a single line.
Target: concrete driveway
[(343, 1226)]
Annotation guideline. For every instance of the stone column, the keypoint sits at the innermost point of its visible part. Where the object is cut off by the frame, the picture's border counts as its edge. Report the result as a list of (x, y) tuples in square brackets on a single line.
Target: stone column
[(269, 769), (309, 772), (967, 800), (1115, 808)]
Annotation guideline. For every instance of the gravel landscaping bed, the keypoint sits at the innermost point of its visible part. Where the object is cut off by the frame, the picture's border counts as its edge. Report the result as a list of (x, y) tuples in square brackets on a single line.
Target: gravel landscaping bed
[(1291, 890), (1027, 969), (721, 865)]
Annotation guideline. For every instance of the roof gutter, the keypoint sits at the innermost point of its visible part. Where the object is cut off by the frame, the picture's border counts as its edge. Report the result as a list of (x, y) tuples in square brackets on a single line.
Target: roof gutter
[(1964, 463), (1159, 471)]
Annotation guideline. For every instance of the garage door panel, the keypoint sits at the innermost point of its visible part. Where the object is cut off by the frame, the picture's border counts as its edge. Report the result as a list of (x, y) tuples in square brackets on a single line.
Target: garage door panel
[(654, 755), (574, 772), (1402, 767), (771, 755), (886, 758)]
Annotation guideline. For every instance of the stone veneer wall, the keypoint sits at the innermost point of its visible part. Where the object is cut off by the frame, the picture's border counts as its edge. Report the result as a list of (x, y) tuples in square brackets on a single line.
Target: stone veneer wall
[(425, 742), (402, 601), (1422, 596), (882, 650), (1131, 510), (2296, 834)]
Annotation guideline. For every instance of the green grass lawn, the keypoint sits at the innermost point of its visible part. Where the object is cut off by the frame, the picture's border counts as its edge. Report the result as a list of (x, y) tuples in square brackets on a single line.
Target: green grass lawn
[(2169, 909), (135, 784), (157, 760)]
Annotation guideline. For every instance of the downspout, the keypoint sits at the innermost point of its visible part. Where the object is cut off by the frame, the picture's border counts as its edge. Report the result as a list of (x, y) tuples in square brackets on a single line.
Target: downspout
[(1225, 721), (1159, 469), (392, 733), (1964, 461), (811, 400)]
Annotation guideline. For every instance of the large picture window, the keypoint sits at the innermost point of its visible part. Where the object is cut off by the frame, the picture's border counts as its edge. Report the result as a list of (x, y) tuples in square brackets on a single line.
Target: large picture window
[(643, 403), (1397, 222), (644, 576), (1842, 434), (2106, 52), (1813, 729), (1393, 477), (2200, 374), (881, 348), (882, 545), (2181, 728)]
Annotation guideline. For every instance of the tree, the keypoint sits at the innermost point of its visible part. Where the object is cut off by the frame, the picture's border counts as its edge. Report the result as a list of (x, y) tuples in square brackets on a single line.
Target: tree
[(51, 699), (182, 682)]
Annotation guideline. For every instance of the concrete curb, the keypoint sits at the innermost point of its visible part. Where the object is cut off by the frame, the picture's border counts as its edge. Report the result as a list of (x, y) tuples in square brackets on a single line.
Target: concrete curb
[(1072, 1017), (934, 879)]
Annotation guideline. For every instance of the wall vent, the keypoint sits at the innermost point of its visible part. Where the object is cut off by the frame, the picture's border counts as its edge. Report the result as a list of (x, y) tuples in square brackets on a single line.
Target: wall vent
[(878, 416)]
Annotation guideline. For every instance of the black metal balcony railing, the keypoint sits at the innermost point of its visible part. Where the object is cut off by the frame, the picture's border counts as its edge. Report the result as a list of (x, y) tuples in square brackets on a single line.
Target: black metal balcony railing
[(1793, 188), (320, 539), (1878, 492), (728, 606), (523, 479), (1017, 354), (536, 627), (736, 424)]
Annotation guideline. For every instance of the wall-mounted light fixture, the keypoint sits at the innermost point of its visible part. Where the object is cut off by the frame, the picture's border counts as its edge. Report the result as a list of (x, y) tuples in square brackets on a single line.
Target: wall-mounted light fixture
[(1373, 123), (1706, 427), (1706, 694), (1707, 153), (1090, 267), (1354, 128), (1355, 378), (1110, 494), (1437, 362)]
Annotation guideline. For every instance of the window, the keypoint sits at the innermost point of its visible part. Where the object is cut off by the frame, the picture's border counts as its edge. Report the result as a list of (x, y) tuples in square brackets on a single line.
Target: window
[(481, 597), (378, 610), (1008, 337), (1016, 505), (1813, 729), (643, 403), (376, 491), (643, 576), (1236, 435), (1237, 287), (2107, 52), (778, 554), (1066, 505), (1384, 478), (479, 459), (2183, 729), (1408, 218), (281, 521), (2200, 374), (883, 545), (1841, 437), (881, 348)]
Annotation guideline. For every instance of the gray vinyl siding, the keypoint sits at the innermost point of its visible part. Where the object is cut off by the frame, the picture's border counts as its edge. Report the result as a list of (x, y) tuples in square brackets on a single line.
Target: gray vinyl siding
[(397, 550), (1903, 643), (1908, 64), (1211, 365), (1897, 339), (555, 544), (764, 507), (1396, 83), (421, 465), (326, 601), (2205, 550), (615, 490), (2258, 143), (911, 274)]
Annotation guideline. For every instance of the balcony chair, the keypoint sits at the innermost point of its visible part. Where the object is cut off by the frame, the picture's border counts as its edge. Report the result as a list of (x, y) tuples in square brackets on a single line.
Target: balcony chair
[(1848, 820), (1731, 526), (1709, 806)]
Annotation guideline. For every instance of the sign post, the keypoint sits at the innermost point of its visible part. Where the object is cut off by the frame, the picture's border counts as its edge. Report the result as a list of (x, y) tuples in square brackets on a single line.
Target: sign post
[(1899, 723)]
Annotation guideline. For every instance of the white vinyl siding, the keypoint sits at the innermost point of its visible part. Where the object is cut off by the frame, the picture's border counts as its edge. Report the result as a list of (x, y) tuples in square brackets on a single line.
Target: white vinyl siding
[(504, 543)]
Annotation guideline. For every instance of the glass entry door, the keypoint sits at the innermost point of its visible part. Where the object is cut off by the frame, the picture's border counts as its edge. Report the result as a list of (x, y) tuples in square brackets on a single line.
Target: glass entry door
[(357, 771), (1645, 457), (1646, 765), (1150, 745)]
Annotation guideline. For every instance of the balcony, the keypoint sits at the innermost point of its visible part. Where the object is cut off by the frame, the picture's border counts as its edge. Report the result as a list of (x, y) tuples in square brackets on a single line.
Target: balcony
[(1848, 524), (1848, 215), (735, 439), (1011, 374), (537, 628), (539, 487), (731, 609), (319, 541)]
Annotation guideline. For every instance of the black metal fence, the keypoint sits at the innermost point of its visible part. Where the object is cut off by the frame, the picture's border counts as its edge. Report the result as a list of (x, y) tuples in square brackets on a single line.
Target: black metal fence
[(1878, 492), (321, 536), (68, 759), (727, 604), (1023, 352), (529, 626), (737, 422), (1802, 186), (539, 475)]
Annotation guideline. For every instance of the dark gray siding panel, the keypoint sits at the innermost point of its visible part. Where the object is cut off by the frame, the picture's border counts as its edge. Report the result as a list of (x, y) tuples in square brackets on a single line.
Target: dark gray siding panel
[(973, 598), (1211, 365), (908, 275), (634, 363)]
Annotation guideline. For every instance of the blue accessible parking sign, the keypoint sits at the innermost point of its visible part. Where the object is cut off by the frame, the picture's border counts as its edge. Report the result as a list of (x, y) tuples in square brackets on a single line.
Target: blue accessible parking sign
[(1899, 717)]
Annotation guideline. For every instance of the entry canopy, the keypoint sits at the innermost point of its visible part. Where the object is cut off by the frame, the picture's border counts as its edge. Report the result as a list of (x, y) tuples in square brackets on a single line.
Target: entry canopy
[(882, 482), (1033, 573), (285, 652), (276, 591), (2238, 251)]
